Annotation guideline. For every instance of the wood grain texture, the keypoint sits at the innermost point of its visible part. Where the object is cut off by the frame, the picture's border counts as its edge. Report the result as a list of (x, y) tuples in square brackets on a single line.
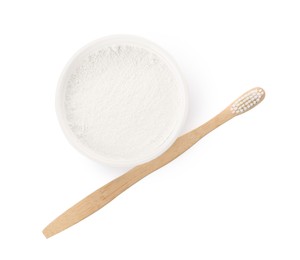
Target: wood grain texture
[(108, 192)]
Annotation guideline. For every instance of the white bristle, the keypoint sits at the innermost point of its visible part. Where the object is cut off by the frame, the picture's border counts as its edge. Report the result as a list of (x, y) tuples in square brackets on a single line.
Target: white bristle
[(247, 101)]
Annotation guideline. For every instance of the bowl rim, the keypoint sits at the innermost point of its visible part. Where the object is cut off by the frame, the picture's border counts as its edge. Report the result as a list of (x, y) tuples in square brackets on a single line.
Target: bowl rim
[(108, 40)]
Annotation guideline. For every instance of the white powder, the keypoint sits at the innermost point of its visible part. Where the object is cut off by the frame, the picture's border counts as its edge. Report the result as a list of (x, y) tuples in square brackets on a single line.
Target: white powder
[(123, 102)]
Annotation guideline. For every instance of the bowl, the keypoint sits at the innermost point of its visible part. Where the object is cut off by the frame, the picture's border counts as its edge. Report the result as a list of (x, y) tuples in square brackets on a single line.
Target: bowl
[(121, 100)]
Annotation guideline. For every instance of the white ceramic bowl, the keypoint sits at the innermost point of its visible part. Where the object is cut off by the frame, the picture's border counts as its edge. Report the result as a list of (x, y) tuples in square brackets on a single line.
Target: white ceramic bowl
[(77, 59)]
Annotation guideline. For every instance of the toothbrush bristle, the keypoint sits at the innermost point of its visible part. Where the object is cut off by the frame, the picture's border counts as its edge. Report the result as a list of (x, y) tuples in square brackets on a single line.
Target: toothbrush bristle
[(247, 101)]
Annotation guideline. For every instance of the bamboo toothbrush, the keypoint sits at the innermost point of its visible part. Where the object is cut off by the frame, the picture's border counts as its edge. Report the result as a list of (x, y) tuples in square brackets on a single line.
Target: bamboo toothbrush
[(108, 192)]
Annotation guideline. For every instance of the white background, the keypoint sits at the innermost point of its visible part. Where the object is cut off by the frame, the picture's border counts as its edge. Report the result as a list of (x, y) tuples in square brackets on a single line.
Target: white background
[(234, 195)]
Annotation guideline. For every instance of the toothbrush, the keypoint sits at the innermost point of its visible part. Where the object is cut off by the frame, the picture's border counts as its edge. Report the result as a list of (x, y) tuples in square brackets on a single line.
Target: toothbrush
[(108, 192)]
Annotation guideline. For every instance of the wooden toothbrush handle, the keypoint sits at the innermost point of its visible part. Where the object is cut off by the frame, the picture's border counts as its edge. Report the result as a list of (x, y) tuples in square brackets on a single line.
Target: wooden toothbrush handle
[(108, 192), (111, 190)]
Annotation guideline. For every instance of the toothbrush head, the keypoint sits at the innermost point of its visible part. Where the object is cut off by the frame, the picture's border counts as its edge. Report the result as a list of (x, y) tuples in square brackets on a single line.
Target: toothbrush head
[(247, 101)]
